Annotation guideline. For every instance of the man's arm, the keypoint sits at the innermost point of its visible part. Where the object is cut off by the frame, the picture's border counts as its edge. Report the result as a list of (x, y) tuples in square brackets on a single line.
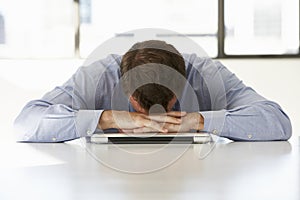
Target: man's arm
[(236, 111), (68, 111), (240, 113), (138, 122), (42, 121), (260, 121), (188, 121), (65, 113)]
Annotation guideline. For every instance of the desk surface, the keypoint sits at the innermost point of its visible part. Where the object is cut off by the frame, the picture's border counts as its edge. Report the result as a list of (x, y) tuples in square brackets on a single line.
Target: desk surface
[(240, 170)]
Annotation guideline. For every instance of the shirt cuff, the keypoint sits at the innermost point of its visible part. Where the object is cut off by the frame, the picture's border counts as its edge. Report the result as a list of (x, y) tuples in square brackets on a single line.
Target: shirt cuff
[(86, 122), (214, 121)]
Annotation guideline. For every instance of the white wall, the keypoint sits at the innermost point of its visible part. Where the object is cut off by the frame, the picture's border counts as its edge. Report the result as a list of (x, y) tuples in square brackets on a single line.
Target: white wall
[(23, 80)]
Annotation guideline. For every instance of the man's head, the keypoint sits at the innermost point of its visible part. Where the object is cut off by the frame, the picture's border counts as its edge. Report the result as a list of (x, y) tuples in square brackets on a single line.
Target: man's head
[(152, 57)]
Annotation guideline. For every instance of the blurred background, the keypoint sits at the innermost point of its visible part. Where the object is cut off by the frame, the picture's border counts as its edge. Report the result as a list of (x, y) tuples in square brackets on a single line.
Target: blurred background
[(43, 42)]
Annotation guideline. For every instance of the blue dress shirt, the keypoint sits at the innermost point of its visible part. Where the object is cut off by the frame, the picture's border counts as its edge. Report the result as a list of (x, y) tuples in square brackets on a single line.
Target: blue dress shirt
[(230, 109)]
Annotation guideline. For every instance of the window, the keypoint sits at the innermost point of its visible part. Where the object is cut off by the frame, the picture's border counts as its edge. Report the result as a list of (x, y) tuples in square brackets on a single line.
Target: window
[(194, 18), (36, 28), (74, 28), (261, 27)]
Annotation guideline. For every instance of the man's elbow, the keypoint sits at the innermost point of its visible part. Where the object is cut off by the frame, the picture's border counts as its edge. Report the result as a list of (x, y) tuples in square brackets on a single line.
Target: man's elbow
[(20, 132), (286, 129), (278, 122)]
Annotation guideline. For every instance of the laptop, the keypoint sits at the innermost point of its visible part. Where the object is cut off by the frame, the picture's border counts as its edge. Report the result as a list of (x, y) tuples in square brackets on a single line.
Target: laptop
[(150, 138)]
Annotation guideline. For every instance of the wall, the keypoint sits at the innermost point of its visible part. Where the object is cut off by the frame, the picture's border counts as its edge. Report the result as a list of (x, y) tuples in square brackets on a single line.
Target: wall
[(23, 80)]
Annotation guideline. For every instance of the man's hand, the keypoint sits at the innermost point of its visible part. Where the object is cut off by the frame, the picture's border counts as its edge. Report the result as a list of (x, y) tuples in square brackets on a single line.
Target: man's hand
[(192, 121), (189, 121), (130, 121)]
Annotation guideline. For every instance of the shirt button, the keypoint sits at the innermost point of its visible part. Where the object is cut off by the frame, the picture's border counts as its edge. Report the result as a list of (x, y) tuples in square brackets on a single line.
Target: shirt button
[(89, 132), (215, 131), (249, 136), (54, 139)]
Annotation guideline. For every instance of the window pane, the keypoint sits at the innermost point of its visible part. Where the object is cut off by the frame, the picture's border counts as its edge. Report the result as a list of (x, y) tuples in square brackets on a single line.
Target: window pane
[(262, 27), (101, 20), (36, 28)]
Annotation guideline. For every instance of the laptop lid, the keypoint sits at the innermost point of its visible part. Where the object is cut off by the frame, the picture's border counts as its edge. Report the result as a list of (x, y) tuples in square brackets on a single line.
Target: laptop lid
[(146, 138)]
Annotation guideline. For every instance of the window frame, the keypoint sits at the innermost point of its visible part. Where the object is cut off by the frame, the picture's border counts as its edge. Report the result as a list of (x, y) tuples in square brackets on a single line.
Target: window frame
[(220, 37)]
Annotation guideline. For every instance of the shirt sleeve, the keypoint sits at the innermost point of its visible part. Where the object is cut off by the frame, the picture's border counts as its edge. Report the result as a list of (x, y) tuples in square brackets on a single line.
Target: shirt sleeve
[(65, 113), (240, 113)]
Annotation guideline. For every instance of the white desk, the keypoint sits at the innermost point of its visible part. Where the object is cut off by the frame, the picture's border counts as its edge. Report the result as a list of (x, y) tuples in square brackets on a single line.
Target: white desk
[(263, 170)]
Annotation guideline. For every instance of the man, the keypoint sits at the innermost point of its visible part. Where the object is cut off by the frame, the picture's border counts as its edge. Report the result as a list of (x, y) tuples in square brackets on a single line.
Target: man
[(152, 88)]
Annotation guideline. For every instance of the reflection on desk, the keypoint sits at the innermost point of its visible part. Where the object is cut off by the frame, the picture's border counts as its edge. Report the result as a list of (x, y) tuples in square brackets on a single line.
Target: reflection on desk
[(238, 170)]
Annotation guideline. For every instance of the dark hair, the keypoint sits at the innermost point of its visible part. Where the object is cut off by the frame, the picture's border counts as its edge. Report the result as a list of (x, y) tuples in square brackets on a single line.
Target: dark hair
[(151, 55)]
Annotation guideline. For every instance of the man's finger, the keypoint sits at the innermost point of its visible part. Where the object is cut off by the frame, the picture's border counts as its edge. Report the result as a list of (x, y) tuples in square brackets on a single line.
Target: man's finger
[(126, 130), (172, 128), (144, 130), (173, 114), (154, 125), (176, 113), (165, 119)]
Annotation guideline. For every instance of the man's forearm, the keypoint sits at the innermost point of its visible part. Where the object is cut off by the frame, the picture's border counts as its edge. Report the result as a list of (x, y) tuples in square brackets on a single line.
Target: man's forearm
[(132, 120), (41, 121), (106, 120), (185, 123), (261, 121)]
